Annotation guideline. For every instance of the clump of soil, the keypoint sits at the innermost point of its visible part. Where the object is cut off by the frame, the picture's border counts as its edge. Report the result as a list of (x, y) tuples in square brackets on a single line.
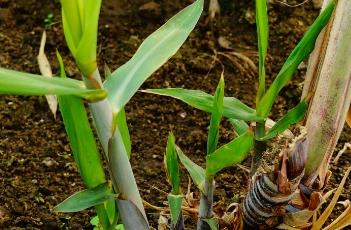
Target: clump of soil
[(37, 169)]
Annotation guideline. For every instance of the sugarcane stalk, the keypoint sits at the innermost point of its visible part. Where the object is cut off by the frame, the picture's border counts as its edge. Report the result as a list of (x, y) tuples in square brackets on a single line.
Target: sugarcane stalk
[(271, 191), (115, 152), (329, 80), (206, 205), (259, 148)]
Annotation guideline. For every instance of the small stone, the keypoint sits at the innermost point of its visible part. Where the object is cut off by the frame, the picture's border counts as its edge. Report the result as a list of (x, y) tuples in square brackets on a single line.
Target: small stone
[(182, 115), (48, 162)]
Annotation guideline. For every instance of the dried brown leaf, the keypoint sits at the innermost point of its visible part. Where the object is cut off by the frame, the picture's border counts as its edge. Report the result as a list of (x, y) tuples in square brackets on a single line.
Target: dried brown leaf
[(325, 215), (45, 70), (348, 117), (343, 220)]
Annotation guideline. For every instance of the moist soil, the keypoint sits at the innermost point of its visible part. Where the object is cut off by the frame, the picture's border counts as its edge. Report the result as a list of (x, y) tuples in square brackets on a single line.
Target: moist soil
[(36, 165)]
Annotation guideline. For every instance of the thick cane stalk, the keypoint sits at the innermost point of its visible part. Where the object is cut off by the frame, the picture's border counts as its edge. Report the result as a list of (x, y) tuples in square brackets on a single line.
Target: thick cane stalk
[(271, 191), (329, 81), (116, 154), (206, 205)]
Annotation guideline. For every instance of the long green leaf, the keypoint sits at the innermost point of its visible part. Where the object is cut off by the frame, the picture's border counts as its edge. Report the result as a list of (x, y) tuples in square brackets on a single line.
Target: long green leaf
[(20, 83), (233, 108), (216, 116), (172, 166), (81, 138), (86, 199), (262, 33), (153, 52), (229, 154), (86, 51), (301, 51), (196, 172), (292, 117)]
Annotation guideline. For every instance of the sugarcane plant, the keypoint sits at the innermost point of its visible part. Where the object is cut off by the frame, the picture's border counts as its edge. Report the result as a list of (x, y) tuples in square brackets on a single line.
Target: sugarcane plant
[(328, 79), (120, 203), (275, 176)]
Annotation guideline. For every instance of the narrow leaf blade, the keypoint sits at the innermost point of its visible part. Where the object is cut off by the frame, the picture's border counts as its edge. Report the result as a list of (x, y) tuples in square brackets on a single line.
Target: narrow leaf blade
[(262, 32), (216, 116), (85, 199), (292, 117), (172, 166), (20, 83), (232, 107), (81, 138), (153, 52), (229, 154), (197, 173), (301, 51)]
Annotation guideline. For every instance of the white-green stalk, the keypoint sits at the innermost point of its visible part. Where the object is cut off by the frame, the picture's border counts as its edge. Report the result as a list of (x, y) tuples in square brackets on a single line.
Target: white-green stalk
[(114, 148), (206, 205)]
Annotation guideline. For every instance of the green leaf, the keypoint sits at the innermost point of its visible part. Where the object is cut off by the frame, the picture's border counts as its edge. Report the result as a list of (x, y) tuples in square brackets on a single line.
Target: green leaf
[(213, 223), (301, 51), (112, 211), (212, 139), (152, 53), (171, 163), (292, 117), (72, 24), (229, 154), (80, 26), (240, 126), (233, 108), (94, 221), (86, 50), (123, 128), (81, 138), (86, 199), (262, 32), (197, 173), (20, 83), (175, 204)]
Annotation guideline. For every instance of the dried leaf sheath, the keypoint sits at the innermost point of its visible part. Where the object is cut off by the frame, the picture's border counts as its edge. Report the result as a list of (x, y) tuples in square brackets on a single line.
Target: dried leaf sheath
[(332, 94)]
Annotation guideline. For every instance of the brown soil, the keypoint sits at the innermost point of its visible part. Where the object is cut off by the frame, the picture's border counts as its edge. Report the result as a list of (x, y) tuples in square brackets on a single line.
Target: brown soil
[(36, 167)]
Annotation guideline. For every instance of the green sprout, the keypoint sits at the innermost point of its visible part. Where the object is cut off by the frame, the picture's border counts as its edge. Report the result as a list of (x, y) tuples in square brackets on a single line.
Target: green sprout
[(49, 21)]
